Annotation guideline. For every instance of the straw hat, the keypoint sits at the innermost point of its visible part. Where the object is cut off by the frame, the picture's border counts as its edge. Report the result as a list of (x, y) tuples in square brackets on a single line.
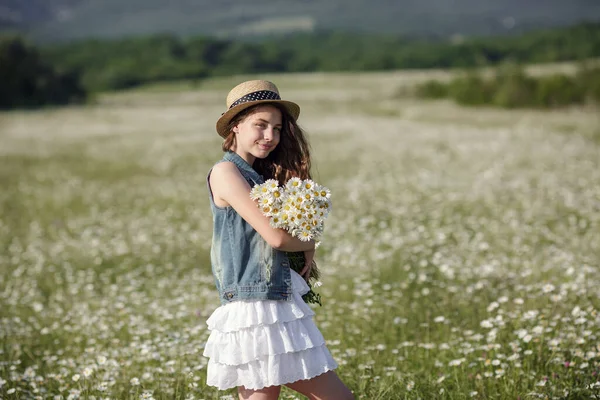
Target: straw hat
[(250, 93)]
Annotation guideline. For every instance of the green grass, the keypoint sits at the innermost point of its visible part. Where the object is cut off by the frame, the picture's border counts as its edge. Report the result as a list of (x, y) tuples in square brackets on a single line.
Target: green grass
[(460, 260)]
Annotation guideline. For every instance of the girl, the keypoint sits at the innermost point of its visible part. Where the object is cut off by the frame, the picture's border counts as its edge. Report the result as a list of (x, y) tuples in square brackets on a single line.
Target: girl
[(262, 336)]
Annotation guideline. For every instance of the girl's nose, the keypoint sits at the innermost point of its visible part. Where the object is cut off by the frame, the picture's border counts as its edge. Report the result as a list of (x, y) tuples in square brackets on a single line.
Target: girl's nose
[(268, 135)]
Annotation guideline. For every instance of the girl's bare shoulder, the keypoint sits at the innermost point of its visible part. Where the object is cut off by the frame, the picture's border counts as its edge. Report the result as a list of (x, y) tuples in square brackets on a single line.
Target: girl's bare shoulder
[(223, 168), (226, 174)]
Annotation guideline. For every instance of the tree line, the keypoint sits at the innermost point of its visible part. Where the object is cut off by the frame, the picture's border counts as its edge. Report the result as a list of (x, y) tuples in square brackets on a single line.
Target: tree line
[(100, 65), (511, 87), (28, 80)]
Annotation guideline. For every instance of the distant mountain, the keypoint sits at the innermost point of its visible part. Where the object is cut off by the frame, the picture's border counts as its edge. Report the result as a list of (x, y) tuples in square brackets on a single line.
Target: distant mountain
[(65, 20)]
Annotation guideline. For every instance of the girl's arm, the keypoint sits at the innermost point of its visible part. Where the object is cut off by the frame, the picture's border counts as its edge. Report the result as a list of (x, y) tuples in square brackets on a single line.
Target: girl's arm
[(228, 185)]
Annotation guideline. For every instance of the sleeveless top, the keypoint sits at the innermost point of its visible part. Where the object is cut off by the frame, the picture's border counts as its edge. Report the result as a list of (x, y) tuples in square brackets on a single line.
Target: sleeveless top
[(244, 265)]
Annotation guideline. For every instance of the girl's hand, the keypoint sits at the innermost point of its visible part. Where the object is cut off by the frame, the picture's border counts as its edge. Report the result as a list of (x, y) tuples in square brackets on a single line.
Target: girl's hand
[(309, 256)]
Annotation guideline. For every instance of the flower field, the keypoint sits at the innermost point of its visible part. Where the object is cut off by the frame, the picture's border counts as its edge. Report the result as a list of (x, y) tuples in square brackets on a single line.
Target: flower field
[(460, 260)]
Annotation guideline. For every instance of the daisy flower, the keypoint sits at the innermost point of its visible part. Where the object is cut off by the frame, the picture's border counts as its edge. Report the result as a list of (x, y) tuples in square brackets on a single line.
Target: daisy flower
[(266, 201), (277, 195), (272, 185), (276, 221), (293, 184), (256, 192), (308, 184), (267, 210), (308, 196), (324, 193), (299, 219), (305, 235)]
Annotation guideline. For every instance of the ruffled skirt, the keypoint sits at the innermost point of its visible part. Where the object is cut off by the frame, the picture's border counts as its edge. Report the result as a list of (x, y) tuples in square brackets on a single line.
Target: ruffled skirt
[(263, 343)]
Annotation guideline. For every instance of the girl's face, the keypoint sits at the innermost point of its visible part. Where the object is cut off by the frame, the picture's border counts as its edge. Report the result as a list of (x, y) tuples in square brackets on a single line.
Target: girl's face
[(258, 133)]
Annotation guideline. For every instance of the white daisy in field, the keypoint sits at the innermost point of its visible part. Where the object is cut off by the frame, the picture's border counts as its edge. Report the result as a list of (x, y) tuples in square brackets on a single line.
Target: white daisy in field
[(147, 395), (457, 362), (547, 288)]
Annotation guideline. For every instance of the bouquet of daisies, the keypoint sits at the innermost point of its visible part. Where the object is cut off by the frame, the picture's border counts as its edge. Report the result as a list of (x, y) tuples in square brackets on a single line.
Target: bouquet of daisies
[(300, 207)]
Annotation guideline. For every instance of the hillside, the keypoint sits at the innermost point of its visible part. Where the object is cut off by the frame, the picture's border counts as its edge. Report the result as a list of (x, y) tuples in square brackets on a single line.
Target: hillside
[(63, 20)]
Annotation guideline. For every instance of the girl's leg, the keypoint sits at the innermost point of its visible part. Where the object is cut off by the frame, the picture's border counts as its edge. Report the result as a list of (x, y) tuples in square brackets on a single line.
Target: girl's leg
[(327, 386), (268, 393)]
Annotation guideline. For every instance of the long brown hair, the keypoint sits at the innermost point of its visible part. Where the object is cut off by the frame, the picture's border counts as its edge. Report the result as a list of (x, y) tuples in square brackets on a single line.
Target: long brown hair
[(291, 157)]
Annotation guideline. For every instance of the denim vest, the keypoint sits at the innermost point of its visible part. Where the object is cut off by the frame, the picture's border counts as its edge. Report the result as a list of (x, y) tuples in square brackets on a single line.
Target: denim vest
[(244, 265)]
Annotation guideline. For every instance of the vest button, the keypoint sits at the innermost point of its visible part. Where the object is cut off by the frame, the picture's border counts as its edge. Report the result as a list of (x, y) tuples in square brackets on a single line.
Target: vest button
[(229, 295)]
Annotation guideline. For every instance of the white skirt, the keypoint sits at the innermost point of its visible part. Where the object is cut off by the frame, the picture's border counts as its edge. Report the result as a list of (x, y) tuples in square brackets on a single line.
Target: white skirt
[(261, 343)]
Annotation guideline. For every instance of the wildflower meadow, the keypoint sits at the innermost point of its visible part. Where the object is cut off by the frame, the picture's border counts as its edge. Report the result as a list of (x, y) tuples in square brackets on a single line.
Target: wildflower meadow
[(460, 259)]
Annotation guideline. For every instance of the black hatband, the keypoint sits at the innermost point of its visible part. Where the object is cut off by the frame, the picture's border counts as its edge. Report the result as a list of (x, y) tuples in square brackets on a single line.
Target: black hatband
[(254, 96)]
